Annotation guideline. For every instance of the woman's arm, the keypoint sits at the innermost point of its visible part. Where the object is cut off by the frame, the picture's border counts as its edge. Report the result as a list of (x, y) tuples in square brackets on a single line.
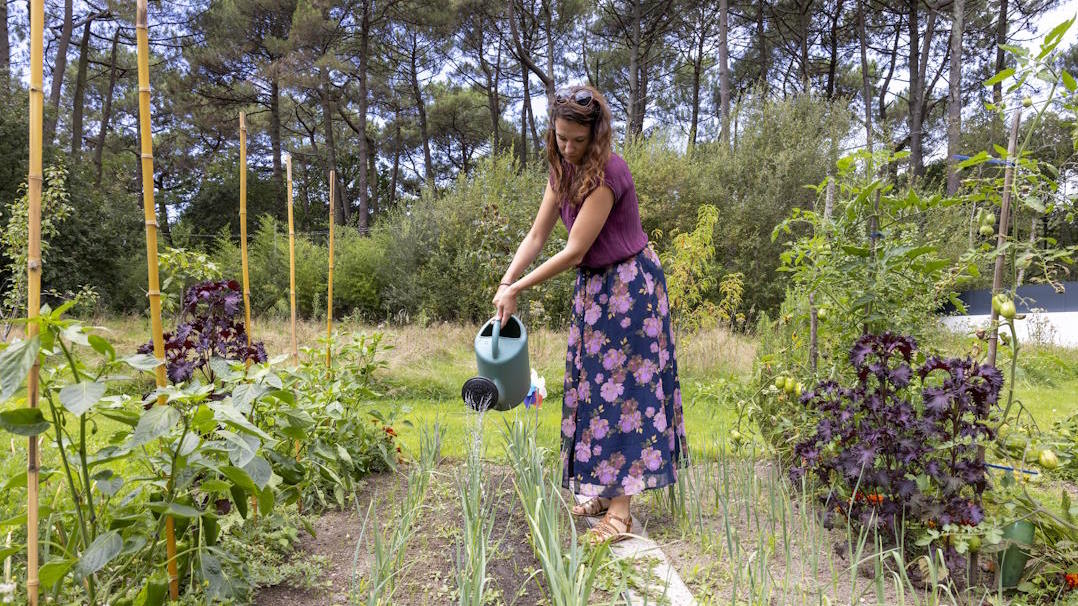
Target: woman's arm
[(593, 213)]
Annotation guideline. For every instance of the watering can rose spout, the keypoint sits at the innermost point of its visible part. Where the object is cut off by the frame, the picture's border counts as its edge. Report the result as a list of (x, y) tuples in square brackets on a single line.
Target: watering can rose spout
[(501, 356)]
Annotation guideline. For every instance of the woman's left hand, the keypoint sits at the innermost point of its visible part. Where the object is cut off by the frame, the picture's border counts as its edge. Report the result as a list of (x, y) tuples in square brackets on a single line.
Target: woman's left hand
[(505, 303)]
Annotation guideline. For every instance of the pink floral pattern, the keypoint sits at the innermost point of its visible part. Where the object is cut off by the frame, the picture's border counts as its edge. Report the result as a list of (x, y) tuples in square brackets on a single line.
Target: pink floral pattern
[(622, 423)]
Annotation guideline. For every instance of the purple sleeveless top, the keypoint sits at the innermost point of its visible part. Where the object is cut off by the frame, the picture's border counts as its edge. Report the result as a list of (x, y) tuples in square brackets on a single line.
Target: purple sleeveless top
[(622, 235)]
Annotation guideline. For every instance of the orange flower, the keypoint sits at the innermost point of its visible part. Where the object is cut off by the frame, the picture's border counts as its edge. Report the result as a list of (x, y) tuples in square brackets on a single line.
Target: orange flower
[(1071, 579)]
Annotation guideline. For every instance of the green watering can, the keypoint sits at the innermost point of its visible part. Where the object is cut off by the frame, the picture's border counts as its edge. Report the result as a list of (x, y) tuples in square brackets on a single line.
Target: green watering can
[(501, 353)]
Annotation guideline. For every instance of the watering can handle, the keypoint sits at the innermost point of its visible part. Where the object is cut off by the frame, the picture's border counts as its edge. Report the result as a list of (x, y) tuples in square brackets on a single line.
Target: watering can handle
[(494, 338)]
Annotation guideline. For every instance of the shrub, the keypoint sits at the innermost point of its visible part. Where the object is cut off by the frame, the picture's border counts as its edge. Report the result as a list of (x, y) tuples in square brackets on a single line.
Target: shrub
[(445, 255), (268, 268), (357, 279)]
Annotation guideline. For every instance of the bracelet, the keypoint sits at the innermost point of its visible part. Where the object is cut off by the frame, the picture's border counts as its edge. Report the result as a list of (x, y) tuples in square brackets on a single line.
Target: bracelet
[(505, 283)]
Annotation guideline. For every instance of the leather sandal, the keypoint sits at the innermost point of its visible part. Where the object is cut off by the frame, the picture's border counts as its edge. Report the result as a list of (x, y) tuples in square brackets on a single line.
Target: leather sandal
[(590, 509), (605, 532)]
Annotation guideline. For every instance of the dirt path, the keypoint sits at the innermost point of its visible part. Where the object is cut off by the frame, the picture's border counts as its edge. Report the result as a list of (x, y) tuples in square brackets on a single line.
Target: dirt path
[(429, 574)]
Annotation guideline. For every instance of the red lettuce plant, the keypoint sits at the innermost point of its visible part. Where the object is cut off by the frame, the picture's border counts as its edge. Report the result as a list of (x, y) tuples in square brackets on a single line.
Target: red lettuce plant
[(211, 326), (902, 443)]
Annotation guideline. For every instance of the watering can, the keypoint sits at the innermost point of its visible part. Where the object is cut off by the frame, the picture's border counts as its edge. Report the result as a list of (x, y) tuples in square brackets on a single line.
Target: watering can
[(501, 355)]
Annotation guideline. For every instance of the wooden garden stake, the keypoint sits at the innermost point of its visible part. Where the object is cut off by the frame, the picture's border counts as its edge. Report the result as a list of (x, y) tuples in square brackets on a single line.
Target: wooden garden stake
[(329, 296), (1001, 238), (291, 261), (150, 217), (33, 268), (243, 232)]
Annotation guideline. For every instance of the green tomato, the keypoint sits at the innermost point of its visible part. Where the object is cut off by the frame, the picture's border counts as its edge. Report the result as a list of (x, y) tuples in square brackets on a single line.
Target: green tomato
[(974, 544), (987, 231), (1048, 459), (821, 314), (988, 219), (789, 385), (780, 382), (1027, 101), (996, 300), (1007, 310)]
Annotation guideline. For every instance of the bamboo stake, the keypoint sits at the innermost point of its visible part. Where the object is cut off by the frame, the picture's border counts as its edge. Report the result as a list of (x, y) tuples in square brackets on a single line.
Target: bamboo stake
[(1001, 238), (248, 328), (291, 261), (329, 297), (33, 268), (150, 218)]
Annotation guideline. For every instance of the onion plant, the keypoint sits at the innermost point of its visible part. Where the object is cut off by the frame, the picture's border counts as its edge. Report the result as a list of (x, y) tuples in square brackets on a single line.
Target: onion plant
[(570, 571), (387, 546)]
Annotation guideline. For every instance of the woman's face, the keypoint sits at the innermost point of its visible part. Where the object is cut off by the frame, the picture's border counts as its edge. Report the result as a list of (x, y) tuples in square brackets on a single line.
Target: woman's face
[(573, 139)]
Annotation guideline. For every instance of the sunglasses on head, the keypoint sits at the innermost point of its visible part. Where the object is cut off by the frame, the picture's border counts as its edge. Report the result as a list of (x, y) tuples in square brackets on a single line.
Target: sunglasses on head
[(581, 97)]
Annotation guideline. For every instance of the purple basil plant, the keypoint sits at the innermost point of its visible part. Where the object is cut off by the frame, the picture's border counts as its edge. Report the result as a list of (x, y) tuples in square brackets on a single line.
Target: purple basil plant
[(874, 440), (211, 325)]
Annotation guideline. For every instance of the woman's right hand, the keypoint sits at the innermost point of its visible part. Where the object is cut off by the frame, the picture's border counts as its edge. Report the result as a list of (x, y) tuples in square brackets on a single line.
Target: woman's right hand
[(505, 303)]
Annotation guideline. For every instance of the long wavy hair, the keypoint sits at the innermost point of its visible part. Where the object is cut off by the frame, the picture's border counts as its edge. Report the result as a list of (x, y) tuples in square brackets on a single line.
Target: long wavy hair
[(577, 184)]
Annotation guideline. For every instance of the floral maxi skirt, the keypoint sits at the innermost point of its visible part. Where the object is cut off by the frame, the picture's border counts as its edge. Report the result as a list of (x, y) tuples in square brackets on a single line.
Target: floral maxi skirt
[(622, 426)]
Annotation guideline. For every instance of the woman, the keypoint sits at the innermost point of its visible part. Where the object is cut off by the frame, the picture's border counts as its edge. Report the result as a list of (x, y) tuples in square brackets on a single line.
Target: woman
[(622, 426)]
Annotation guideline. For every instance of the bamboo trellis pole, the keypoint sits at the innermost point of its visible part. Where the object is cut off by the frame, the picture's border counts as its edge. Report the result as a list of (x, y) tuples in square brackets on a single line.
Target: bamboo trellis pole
[(243, 231), (329, 296), (33, 268), (150, 217), (291, 260)]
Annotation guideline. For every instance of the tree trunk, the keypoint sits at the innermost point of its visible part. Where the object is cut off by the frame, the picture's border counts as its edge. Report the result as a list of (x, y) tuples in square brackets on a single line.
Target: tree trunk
[(833, 64), (492, 98), (634, 72), (697, 75), (341, 214), (761, 43), (58, 70), (5, 46), (916, 160), (421, 108), (890, 72), (524, 116), (954, 97), (1001, 57), (396, 161), (724, 68), (866, 79), (78, 102), (372, 170), (106, 110), (162, 210), (525, 56), (806, 22), (275, 130), (535, 132), (364, 152)]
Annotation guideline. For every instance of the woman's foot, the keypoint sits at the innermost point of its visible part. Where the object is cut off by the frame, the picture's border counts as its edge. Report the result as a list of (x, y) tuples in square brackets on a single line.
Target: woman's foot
[(592, 508), (611, 529)]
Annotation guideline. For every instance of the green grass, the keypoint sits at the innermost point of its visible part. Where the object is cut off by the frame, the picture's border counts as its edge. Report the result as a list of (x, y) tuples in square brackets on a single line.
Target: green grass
[(701, 419), (1049, 403)]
